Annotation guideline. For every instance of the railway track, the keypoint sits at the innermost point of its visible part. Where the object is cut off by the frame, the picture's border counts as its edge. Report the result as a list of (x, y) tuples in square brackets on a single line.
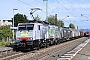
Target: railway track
[(59, 50), (71, 54), (10, 55), (50, 53), (5, 50)]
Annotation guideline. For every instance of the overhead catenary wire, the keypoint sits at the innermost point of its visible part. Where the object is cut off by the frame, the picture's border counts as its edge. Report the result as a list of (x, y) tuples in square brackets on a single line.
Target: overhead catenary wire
[(48, 7), (72, 7), (25, 3), (77, 12), (29, 5), (33, 6), (85, 16), (54, 11), (66, 8)]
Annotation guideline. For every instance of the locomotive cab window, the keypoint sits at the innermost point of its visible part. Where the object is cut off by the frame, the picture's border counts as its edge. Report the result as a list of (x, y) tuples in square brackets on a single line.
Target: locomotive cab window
[(26, 27), (30, 26), (38, 27)]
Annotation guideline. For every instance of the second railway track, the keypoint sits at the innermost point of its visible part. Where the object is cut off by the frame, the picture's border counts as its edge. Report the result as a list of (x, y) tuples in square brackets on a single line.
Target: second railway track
[(50, 53)]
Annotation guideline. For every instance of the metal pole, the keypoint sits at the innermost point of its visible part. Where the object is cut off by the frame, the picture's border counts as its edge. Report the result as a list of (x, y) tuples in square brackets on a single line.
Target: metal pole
[(47, 10), (13, 24), (55, 19)]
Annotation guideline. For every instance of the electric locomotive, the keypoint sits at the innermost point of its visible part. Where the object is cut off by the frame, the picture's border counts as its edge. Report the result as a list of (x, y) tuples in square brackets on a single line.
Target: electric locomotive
[(36, 34)]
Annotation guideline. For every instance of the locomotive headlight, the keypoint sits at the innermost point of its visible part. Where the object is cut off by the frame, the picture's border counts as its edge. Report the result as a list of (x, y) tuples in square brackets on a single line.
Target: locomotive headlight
[(43, 40), (49, 40), (31, 38)]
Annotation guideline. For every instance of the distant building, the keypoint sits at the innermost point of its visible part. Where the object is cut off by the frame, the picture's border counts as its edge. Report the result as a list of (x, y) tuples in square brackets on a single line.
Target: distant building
[(5, 22)]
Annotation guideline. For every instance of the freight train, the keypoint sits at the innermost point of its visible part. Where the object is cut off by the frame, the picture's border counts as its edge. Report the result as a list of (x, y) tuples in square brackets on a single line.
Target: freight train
[(37, 34)]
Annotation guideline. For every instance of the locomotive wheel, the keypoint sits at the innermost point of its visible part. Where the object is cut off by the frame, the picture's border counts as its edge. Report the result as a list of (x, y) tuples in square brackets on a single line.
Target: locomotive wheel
[(15, 49), (31, 48), (38, 47), (47, 45), (56, 42)]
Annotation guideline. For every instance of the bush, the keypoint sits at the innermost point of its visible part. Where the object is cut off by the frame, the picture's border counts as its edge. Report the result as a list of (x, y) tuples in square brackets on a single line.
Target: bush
[(7, 44), (3, 43)]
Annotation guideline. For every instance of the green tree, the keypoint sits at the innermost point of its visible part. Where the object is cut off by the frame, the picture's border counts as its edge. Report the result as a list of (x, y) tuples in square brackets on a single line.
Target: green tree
[(20, 18), (71, 25), (60, 23), (37, 18), (5, 32), (51, 19)]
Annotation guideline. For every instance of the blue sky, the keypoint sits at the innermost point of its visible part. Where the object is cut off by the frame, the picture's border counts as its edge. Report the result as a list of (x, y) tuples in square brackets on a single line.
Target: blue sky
[(72, 8)]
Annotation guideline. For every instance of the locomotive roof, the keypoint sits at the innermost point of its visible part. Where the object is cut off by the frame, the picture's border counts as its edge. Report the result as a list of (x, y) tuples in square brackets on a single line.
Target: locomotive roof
[(37, 21), (43, 22)]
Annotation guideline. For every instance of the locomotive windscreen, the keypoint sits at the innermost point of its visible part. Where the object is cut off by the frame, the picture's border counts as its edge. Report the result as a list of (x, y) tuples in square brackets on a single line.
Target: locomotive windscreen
[(26, 27)]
